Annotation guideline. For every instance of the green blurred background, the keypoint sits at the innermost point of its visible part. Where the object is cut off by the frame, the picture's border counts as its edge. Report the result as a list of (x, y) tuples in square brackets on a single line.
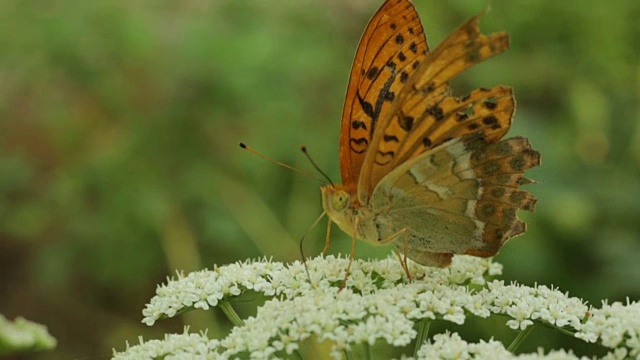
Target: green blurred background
[(119, 157)]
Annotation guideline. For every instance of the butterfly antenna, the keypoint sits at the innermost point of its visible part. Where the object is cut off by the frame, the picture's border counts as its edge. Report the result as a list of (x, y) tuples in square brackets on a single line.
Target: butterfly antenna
[(304, 259), (304, 150), (244, 146)]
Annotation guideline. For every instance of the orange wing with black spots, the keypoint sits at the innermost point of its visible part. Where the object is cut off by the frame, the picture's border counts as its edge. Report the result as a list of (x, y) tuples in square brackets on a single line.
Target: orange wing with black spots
[(390, 51), (424, 114)]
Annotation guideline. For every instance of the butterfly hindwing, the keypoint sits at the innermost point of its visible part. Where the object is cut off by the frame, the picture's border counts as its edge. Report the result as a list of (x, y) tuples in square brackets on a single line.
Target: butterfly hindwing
[(458, 198), (391, 49)]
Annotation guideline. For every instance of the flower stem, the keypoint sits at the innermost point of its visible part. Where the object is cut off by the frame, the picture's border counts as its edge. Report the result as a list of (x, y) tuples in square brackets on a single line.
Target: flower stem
[(233, 316), (423, 332), (347, 355), (297, 354), (519, 339), (367, 351), (559, 329)]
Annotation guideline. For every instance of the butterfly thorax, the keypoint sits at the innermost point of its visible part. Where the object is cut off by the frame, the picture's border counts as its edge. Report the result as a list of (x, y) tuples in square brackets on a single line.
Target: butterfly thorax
[(345, 210)]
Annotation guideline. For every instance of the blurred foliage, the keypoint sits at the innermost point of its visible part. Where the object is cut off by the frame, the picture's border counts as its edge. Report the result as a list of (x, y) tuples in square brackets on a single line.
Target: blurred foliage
[(120, 120)]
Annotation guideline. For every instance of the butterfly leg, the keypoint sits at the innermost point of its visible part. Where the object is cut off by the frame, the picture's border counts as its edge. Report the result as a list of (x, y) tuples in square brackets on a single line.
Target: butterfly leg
[(402, 258), (403, 263), (405, 251), (328, 241), (353, 254)]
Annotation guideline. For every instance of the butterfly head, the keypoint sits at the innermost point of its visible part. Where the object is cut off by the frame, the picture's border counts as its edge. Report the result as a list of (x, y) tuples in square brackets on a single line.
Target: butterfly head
[(337, 204), (344, 209), (335, 200)]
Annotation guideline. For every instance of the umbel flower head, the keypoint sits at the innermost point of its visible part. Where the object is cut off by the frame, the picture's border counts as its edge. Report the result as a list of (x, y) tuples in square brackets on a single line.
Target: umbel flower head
[(378, 304), (22, 335)]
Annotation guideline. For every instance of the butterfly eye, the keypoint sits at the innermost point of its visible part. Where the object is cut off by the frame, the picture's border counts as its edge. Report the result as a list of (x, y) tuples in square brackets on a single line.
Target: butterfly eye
[(340, 200)]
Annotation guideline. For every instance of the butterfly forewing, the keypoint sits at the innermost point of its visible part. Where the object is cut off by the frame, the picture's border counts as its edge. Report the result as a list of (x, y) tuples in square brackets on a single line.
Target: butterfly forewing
[(424, 114), (391, 49), (486, 111)]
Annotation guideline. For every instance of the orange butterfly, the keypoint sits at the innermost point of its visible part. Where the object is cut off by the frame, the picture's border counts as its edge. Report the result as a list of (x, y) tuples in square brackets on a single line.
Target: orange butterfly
[(420, 168)]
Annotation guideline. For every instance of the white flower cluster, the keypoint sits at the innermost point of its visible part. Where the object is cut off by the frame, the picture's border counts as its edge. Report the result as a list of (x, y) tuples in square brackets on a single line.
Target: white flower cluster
[(344, 318), (173, 347), (451, 346), (616, 326), (23, 335), (206, 288), (379, 304), (203, 289), (525, 304)]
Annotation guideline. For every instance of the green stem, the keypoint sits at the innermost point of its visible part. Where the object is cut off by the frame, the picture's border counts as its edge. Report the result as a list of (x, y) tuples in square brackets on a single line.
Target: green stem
[(346, 355), (559, 329), (367, 351), (519, 339), (298, 355), (564, 331), (423, 332), (233, 316)]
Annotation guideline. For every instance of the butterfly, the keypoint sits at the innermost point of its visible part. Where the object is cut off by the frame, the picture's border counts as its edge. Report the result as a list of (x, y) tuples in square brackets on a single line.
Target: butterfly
[(421, 169)]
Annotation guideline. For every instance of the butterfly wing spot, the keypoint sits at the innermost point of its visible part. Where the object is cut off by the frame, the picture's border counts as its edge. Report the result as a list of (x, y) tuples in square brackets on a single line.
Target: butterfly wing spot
[(389, 96), (504, 148), (406, 122), (372, 73), (473, 126), (508, 216), (436, 112), (399, 39), (490, 120), (404, 76), (393, 138), (366, 107), (498, 192), (401, 56), (486, 211), (474, 57), (383, 158), (490, 105), (392, 66), (426, 142), (517, 196), (518, 163), (357, 124), (509, 180), (508, 195), (359, 146)]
